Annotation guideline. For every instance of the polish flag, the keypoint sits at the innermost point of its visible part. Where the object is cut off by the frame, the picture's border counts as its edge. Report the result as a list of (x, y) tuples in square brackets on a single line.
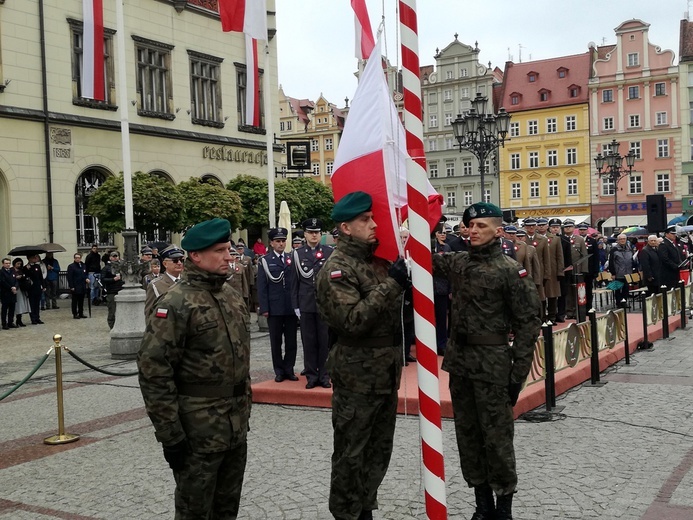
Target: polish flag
[(372, 157), (364, 34), (252, 87), (246, 16), (93, 82)]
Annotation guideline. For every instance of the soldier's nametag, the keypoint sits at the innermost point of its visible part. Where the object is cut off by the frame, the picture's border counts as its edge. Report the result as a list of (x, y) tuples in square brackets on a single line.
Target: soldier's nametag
[(161, 313), (522, 272), (336, 275)]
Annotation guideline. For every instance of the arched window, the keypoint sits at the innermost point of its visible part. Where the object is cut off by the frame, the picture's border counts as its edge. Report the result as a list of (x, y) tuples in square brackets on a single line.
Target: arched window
[(88, 231), (159, 234), (212, 179)]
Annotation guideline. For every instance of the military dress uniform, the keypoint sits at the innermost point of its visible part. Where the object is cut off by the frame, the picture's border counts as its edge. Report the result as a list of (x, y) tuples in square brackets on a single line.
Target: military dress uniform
[(194, 377), (307, 263), (669, 258), (238, 278), (361, 304), (160, 286), (492, 297), (274, 294), (592, 262), (553, 286)]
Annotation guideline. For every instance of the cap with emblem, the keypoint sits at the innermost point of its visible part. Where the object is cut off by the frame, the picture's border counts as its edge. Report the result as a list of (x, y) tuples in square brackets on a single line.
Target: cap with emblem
[(277, 233), (510, 229), (583, 225), (312, 224), (670, 229), (172, 251), (297, 240), (206, 234), (529, 221), (521, 233), (233, 252), (569, 222), (351, 206), (555, 222), (541, 221), (481, 210), (447, 228), (146, 250)]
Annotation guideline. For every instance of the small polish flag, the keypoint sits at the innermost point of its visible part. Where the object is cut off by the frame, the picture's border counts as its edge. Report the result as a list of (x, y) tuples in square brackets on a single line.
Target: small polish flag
[(334, 275), (523, 272), (161, 313)]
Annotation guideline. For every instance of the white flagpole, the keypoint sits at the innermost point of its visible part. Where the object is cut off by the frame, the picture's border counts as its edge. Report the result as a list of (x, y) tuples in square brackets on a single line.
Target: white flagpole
[(124, 122), (269, 134)]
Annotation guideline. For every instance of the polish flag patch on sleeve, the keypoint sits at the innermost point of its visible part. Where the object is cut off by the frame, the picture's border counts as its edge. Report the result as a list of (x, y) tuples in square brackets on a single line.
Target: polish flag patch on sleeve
[(522, 272), (161, 313), (336, 275)]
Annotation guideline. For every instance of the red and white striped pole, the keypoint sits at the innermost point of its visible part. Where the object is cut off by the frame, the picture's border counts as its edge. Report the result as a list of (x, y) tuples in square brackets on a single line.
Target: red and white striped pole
[(420, 250)]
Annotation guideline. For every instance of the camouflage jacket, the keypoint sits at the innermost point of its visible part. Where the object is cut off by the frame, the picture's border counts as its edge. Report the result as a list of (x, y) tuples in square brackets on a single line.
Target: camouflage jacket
[(198, 334), (491, 295), (362, 306)]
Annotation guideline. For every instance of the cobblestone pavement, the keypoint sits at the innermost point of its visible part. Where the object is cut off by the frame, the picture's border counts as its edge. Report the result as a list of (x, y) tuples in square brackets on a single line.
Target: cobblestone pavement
[(620, 451)]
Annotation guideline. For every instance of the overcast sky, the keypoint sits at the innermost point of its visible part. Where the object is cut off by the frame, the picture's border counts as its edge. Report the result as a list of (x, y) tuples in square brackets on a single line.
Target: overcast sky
[(316, 37)]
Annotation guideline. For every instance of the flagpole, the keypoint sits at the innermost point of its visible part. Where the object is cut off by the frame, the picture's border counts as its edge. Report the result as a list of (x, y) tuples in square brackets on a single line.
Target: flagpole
[(124, 122), (269, 134), (430, 425)]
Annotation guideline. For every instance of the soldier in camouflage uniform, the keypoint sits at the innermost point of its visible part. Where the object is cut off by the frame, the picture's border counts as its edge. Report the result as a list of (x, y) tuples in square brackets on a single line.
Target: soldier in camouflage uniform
[(359, 297), (492, 297), (194, 377)]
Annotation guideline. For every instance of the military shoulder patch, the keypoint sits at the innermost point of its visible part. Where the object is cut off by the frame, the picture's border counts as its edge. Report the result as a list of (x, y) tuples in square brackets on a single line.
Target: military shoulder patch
[(522, 272), (161, 313), (336, 275)]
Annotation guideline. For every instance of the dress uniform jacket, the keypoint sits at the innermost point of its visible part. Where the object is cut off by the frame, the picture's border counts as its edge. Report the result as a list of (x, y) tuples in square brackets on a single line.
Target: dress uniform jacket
[(238, 279), (556, 265), (274, 285), (669, 259), (523, 257), (592, 247), (541, 244), (307, 263), (155, 290), (578, 251)]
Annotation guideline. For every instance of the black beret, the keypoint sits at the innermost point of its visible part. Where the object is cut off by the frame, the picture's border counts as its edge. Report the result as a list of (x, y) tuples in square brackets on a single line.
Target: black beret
[(481, 210), (312, 224), (351, 206), (206, 234), (277, 233)]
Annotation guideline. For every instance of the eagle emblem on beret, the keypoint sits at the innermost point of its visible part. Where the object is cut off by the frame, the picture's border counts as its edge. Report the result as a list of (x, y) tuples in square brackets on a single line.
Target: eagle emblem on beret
[(472, 211)]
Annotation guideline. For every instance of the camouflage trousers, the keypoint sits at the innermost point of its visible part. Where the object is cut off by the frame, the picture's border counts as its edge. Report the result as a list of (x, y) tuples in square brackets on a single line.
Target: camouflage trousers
[(209, 485), (485, 427), (364, 426)]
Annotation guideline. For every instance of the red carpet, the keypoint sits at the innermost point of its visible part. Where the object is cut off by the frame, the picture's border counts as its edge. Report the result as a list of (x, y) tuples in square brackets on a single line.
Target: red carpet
[(295, 393)]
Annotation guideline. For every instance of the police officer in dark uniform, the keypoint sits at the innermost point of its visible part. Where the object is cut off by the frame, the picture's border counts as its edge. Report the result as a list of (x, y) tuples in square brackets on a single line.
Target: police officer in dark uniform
[(507, 245), (274, 293), (307, 261)]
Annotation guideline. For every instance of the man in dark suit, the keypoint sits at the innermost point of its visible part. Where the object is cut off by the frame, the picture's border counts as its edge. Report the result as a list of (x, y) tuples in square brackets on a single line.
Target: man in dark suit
[(8, 293), (78, 282), (274, 293), (650, 265), (33, 272), (307, 261), (669, 258)]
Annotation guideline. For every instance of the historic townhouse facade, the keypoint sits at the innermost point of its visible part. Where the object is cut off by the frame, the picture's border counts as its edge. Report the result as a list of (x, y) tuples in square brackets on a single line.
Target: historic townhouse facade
[(185, 89), (545, 167), (634, 98), (686, 93), (448, 91)]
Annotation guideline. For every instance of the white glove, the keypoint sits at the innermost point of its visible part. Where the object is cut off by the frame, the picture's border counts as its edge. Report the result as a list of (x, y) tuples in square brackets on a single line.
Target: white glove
[(298, 312)]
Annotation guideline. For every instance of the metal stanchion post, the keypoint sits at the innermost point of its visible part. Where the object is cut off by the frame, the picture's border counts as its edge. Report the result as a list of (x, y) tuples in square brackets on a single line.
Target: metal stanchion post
[(626, 344), (61, 437), (645, 343), (665, 308), (682, 288), (594, 358), (549, 381)]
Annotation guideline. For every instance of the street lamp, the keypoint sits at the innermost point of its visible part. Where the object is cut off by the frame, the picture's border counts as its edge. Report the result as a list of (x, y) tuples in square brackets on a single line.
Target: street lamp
[(610, 166), (481, 133)]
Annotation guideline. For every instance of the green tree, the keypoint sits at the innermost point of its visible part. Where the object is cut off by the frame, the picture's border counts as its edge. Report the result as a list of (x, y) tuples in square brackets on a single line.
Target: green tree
[(254, 195), (156, 204), (316, 198), (203, 200)]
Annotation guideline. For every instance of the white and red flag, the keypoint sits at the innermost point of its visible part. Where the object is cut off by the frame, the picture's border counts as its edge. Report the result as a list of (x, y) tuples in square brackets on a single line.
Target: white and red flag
[(250, 18), (372, 157), (93, 81), (364, 34)]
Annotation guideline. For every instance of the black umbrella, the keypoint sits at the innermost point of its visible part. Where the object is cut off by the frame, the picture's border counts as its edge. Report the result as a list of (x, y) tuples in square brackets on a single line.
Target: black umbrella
[(27, 251), (159, 245), (52, 247)]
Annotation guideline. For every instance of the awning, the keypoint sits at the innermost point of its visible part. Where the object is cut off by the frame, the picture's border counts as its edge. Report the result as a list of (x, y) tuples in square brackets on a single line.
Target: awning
[(625, 221)]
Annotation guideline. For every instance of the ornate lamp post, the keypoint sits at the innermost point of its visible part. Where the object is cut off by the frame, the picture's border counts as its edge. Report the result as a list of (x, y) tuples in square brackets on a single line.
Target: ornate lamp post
[(481, 133), (610, 166)]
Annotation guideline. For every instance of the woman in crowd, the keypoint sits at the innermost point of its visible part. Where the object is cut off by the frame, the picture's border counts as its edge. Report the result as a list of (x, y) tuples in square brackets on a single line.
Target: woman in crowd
[(22, 305)]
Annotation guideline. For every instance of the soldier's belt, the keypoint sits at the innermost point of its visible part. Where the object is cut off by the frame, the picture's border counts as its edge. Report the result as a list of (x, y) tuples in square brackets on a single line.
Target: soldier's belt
[(380, 341), (191, 390), (482, 339)]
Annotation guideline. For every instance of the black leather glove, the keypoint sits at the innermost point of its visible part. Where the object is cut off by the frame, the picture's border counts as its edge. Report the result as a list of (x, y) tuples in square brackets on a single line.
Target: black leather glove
[(175, 455), (514, 392), (398, 271)]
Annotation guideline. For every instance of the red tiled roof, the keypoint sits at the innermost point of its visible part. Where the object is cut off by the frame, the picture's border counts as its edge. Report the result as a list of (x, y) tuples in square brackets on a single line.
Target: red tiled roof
[(301, 108), (546, 80), (686, 41)]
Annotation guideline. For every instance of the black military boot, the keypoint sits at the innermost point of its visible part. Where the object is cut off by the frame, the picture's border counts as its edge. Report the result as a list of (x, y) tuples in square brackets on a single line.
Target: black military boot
[(366, 515), (504, 507), (485, 510)]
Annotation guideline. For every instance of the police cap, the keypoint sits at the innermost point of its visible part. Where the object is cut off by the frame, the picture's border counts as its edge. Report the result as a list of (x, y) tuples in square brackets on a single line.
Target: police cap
[(171, 251), (583, 225), (206, 234), (277, 233), (569, 222), (312, 224), (351, 206), (481, 210), (529, 221), (541, 221), (146, 250), (521, 233), (510, 229)]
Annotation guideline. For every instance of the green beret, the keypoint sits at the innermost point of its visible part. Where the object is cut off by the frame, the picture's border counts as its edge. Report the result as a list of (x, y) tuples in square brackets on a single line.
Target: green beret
[(481, 210), (206, 234), (351, 206)]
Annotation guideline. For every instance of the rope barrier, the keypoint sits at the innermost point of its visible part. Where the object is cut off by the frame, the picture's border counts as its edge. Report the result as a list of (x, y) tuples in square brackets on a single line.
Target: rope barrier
[(89, 365), (28, 376)]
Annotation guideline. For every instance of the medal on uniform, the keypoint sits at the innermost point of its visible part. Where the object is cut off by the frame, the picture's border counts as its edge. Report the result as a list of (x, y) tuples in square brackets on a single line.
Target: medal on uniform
[(318, 255), (288, 260)]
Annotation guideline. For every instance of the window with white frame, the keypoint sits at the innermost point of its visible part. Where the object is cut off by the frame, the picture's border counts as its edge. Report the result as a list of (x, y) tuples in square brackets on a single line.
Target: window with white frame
[(663, 183), (467, 168), (633, 59), (464, 92), (607, 186), (433, 170), (316, 168), (154, 78), (433, 121), (468, 198), (432, 97), (570, 123), (532, 127), (634, 92), (661, 118), (634, 121), (607, 95), (551, 158), (662, 147), (551, 125), (288, 125), (449, 143), (534, 159), (448, 74), (572, 186), (463, 72), (606, 149), (487, 196), (608, 123), (534, 189), (328, 143), (447, 95), (514, 129), (329, 167), (205, 89), (450, 169), (88, 229), (432, 145), (660, 89), (553, 187), (514, 161), (571, 156), (451, 199), (314, 145), (634, 184), (635, 147), (515, 190), (448, 118), (281, 126)]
